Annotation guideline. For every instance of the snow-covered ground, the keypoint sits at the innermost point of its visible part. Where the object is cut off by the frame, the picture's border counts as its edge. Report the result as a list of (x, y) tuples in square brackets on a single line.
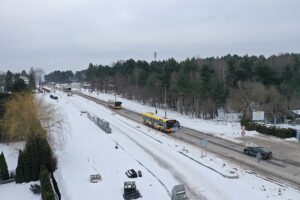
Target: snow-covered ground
[(88, 150), (228, 130), (11, 153), (222, 129), (13, 191)]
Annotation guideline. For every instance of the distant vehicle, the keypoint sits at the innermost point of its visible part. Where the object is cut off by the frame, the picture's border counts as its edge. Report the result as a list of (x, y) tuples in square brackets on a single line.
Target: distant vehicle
[(114, 104), (53, 97), (67, 89), (160, 123), (179, 193), (253, 151)]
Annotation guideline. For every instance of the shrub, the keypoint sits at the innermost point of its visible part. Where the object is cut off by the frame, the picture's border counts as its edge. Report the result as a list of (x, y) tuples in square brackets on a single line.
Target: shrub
[(37, 152), (273, 130), (3, 168), (46, 187), (35, 188), (20, 169)]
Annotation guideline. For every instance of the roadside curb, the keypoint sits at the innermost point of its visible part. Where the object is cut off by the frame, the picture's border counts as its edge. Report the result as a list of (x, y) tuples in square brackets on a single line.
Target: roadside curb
[(236, 176)]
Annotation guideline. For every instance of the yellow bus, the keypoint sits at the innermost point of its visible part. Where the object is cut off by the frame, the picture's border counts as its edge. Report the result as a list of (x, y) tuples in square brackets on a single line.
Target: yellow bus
[(114, 104), (160, 123)]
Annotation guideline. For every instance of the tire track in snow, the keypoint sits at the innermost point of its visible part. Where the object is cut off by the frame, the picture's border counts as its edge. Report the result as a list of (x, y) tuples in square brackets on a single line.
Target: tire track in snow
[(163, 164), (139, 162)]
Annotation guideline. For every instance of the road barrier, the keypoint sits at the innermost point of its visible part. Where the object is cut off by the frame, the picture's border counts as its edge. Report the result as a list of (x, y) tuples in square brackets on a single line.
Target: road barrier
[(101, 123)]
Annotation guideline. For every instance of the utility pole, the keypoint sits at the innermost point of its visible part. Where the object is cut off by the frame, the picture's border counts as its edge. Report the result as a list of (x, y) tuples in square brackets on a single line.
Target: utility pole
[(165, 101)]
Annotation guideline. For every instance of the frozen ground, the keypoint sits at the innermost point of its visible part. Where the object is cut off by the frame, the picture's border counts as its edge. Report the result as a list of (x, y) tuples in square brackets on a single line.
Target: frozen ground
[(88, 150)]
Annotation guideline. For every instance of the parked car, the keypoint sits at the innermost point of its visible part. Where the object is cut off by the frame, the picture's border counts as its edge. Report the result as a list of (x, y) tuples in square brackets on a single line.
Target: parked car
[(131, 173), (253, 151)]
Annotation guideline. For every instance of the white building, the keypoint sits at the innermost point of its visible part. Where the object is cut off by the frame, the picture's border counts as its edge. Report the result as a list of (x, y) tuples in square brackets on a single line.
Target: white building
[(25, 79)]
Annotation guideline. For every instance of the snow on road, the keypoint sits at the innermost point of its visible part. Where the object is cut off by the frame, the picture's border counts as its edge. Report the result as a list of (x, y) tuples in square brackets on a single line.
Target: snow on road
[(88, 150)]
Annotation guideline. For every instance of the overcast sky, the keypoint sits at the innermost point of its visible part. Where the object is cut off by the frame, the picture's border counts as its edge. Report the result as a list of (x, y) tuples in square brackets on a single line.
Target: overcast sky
[(69, 34)]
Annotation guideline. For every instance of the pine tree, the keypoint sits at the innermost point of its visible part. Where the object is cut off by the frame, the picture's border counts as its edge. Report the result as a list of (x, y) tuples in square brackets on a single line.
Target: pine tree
[(37, 152), (27, 166), (46, 187), (3, 168), (20, 169), (9, 81), (32, 79)]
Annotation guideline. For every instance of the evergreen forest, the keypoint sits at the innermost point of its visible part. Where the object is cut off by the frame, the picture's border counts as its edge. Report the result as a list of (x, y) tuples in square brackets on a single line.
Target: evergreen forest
[(199, 87)]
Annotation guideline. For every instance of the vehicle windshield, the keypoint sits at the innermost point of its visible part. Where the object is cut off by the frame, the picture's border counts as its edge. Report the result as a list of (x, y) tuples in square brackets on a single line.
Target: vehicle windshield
[(118, 103), (171, 123), (261, 149)]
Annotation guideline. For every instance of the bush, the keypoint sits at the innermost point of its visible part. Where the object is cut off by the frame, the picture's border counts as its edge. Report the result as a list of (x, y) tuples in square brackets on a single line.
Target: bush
[(35, 188), (3, 168), (37, 152), (277, 132), (46, 187), (20, 169)]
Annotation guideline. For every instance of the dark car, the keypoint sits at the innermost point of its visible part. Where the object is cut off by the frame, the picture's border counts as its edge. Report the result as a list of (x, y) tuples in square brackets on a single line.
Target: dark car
[(253, 151), (131, 173)]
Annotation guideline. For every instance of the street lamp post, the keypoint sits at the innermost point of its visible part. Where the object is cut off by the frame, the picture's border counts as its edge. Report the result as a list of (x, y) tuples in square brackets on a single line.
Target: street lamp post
[(165, 101)]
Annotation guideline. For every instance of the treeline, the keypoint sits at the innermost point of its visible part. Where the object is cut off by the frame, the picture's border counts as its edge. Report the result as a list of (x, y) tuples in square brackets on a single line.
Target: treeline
[(199, 87), (18, 82), (65, 77)]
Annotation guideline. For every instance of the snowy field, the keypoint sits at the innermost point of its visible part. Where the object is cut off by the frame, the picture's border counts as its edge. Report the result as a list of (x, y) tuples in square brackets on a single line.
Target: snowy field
[(88, 150)]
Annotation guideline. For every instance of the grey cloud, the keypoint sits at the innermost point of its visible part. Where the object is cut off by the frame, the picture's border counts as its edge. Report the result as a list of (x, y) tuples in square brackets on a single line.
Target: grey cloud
[(69, 34)]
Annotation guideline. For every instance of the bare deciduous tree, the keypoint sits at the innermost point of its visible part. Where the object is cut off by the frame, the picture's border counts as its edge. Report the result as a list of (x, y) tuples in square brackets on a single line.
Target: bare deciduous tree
[(246, 95), (26, 115)]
